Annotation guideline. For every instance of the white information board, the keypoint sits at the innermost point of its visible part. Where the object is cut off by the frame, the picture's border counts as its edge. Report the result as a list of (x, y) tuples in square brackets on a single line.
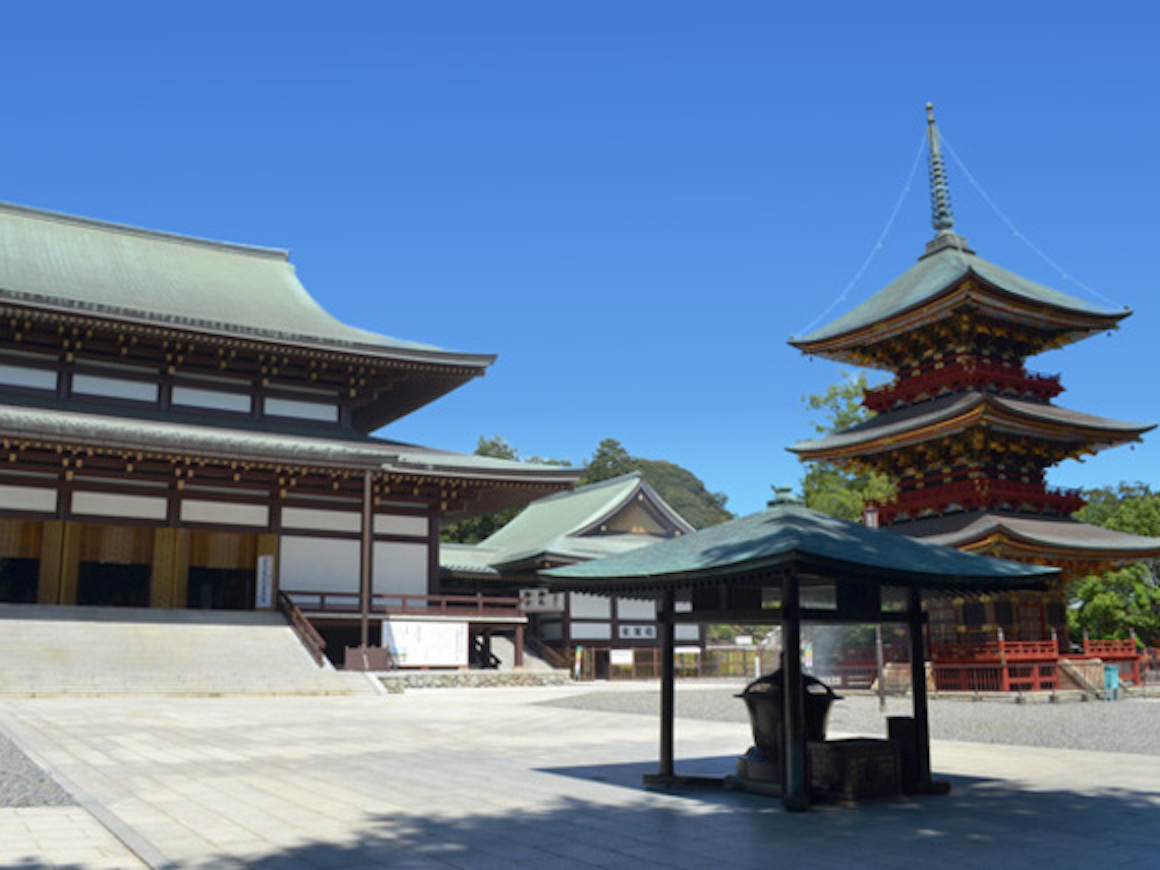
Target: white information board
[(415, 643), (265, 590)]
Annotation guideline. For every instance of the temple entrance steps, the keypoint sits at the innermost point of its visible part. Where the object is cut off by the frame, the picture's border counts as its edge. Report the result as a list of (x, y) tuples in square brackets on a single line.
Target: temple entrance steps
[(504, 649), (52, 651)]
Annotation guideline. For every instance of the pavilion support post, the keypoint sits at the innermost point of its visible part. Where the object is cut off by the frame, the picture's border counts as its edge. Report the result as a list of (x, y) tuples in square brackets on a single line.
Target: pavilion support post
[(796, 793), (915, 625), (366, 562), (519, 644), (668, 681)]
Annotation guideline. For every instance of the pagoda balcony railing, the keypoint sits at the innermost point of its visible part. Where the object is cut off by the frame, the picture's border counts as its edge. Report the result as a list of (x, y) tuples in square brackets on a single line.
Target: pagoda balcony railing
[(980, 494), (957, 377)]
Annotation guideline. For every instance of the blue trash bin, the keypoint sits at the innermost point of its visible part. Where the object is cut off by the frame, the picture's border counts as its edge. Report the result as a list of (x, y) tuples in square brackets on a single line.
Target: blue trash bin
[(1111, 682)]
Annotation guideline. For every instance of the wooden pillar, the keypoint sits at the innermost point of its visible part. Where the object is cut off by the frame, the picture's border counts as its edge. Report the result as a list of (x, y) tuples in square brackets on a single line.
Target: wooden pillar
[(519, 662), (70, 557), (366, 561), (163, 588), (914, 624), (668, 680), (51, 562), (796, 791)]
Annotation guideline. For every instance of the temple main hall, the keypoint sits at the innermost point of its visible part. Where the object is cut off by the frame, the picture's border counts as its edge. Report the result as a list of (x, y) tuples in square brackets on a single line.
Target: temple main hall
[(184, 426)]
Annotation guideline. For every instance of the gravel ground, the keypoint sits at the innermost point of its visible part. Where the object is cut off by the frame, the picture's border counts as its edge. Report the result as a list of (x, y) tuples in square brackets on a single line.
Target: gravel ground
[(1124, 726), (23, 784)]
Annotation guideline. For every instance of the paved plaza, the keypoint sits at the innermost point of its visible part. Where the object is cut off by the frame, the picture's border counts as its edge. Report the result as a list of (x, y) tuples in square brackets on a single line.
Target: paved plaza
[(496, 778)]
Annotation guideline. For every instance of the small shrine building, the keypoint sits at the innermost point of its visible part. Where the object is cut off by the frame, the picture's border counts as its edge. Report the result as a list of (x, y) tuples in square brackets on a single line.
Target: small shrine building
[(608, 518), (183, 426), (966, 432)]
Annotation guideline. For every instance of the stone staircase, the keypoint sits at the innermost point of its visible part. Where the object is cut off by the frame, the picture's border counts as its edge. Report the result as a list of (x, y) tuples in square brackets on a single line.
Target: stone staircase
[(48, 651)]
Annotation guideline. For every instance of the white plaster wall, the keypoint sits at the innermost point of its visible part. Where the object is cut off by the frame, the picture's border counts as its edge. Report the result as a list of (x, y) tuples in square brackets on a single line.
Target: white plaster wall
[(687, 632), (402, 525), (105, 504), (225, 513), (590, 606), (318, 564), (634, 608), (591, 631), (323, 521), (218, 400), (301, 410), (34, 379), (27, 498), (114, 388), (400, 569)]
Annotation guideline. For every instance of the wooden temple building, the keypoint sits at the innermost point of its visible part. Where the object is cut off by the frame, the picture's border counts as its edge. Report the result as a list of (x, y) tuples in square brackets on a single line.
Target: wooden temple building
[(603, 519), (967, 432), (183, 426)]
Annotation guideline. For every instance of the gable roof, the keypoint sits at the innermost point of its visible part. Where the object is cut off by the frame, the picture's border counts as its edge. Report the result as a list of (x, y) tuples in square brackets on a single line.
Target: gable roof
[(83, 266), (789, 535), (559, 526)]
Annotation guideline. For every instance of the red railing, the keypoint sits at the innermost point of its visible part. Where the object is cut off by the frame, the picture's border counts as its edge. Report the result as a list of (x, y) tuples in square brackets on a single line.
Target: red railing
[(347, 603), (955, 377), (996, 666), (980, 493), (1122, 653)]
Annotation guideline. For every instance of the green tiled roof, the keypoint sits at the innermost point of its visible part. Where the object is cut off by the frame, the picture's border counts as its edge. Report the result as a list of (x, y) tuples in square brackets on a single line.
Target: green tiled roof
[(790, 534), (933, 274), (573, 513), (365, 453), (84, 266), (555, 526)]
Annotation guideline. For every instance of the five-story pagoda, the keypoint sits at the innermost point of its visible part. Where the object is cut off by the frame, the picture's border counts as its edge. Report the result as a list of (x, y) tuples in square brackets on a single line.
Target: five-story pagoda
[(964, 430)]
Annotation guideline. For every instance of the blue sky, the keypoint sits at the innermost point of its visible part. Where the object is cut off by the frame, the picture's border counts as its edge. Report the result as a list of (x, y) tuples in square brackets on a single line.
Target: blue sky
[(634, 204)]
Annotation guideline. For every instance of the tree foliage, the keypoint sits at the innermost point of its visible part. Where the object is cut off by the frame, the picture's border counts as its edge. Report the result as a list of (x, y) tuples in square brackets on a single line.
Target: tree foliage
[(682, 489), (827, 487), (1113, 604)]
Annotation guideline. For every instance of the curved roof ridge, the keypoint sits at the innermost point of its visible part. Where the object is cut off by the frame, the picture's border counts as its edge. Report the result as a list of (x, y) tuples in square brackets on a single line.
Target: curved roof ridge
[(132, 229), (61, 263)]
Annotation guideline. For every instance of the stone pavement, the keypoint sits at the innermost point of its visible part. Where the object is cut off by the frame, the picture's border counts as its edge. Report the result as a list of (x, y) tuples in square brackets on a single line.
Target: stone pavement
[(489, 778)]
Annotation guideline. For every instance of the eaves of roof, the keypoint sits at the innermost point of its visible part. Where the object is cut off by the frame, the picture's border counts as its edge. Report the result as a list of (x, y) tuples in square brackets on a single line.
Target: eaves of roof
[(939, 274), (1060, 537), (215, 442), (792, 537), (941, 417)]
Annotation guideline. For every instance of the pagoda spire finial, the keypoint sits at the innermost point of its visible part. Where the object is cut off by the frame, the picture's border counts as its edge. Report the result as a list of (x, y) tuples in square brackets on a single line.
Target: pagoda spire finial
[(942, 218)]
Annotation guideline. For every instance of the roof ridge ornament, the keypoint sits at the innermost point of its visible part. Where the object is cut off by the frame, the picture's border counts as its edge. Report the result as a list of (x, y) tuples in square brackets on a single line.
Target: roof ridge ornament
[(942, 216)]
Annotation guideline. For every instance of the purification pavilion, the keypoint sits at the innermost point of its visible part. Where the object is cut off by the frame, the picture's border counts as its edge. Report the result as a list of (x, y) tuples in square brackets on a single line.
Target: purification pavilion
[(184, 426), (966, 432), (789, 565)]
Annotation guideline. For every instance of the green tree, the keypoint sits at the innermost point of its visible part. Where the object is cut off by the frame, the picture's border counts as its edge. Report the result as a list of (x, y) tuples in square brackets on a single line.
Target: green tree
[(830, 488), (683, 490), (610, 460), (1113, 604), (685, 493)]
